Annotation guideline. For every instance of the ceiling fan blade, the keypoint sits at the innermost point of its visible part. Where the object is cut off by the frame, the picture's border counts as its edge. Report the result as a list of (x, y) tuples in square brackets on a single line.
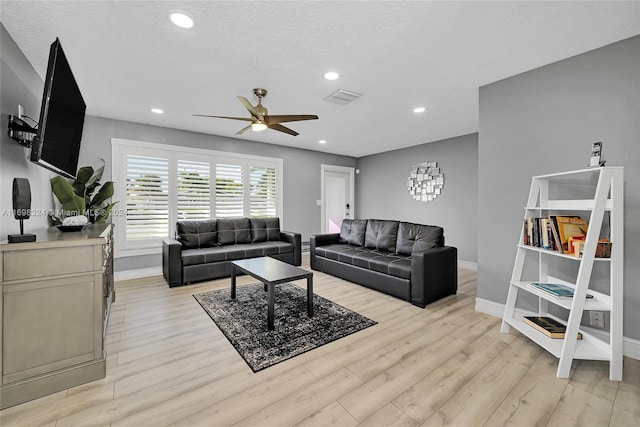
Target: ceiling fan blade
[(249, 107), (243, 130), (275, 119), (246, 119), (283, 129)]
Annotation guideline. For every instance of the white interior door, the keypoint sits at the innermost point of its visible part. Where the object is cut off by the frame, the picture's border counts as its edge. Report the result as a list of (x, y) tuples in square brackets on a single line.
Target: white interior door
[(337, 196)]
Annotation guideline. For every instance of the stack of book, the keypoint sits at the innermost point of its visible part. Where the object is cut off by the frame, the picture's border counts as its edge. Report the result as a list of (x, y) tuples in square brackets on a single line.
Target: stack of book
[(556, 289), (565, 234), (548, 326)]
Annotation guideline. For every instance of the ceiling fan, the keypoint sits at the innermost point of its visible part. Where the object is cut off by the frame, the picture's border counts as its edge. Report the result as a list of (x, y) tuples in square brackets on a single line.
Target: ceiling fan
[(260, 118)]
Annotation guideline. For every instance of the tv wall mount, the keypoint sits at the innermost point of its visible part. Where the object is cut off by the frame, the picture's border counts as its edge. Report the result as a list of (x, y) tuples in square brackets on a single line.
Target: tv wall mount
[(20, 131)]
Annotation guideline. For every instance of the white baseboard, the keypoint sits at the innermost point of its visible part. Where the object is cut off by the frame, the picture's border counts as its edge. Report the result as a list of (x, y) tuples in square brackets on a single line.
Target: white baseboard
[(138, 273), (467, 265), (631, 347)]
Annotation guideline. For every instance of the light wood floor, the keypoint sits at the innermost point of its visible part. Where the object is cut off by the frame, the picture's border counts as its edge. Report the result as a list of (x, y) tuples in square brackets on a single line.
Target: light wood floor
[(444, 365)]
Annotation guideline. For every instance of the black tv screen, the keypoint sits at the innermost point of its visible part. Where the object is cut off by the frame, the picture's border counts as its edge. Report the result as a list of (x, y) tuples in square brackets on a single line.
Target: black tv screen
[(56, 145)]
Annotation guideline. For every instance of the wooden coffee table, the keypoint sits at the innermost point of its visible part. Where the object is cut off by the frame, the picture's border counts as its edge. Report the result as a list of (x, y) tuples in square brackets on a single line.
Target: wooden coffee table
[(271, 272)]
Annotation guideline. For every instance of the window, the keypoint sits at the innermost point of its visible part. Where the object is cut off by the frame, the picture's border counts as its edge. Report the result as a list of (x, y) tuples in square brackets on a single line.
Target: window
[(194, 190), (147, 206), (157, 185), (263, 198), (229, 191)]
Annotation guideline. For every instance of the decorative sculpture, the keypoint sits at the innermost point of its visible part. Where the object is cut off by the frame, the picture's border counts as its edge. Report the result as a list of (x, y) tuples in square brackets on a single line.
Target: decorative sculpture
[(425, 181)]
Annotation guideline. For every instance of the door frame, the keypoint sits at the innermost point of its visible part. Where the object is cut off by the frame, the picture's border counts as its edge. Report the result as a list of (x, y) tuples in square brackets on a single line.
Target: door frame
[(323, 207)]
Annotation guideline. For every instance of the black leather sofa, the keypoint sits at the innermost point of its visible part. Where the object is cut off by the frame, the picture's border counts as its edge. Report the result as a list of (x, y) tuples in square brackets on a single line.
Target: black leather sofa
[(202, 250), (406, 260)]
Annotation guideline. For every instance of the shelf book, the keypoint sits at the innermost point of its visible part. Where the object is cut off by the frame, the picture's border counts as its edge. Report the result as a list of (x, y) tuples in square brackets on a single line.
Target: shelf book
[(537, 232), (570, 228), (548, 326), (556, 289)]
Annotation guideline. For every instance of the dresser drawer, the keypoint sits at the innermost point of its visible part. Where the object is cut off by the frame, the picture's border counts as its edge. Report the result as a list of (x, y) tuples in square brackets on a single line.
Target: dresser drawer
[(31, 264)]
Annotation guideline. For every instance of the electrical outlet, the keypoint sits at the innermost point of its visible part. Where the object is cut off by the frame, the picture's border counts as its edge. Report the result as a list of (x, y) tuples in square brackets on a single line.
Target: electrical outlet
[(20, 111), (596, 318)]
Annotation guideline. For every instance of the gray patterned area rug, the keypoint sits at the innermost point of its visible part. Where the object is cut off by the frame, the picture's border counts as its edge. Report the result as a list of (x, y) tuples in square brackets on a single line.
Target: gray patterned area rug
[(244, 322)]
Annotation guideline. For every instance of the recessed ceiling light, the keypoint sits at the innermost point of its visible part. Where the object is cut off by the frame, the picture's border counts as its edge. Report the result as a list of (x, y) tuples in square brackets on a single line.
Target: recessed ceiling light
[(419, 110), (181, 19), (157, 110), (322, 141), (331, 75)]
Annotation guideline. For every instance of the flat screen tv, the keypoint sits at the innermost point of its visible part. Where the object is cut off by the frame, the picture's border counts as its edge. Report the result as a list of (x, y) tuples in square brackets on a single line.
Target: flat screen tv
[(56, 145)]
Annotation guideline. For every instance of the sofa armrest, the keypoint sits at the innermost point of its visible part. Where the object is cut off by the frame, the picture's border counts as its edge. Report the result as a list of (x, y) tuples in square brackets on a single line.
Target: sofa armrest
[(434, 274), (172, 262), (296, 240), (320, 240)]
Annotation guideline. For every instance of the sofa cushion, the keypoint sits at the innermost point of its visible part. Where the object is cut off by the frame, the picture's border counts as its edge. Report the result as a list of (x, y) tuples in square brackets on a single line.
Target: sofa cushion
[(384, 262), (232, 231), (352, 231), (418, 237), (339, 252), (233, 252), (265, 229), (197, 234), (381, 235)]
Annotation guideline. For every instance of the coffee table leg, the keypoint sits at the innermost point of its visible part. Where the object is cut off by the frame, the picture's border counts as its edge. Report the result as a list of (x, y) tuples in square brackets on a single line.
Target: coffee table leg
[(272, 297), (233, 282), (310, 296)]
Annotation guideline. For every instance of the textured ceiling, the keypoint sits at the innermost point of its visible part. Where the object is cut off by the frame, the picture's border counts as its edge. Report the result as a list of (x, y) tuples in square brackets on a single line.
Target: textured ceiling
[(127, 58)]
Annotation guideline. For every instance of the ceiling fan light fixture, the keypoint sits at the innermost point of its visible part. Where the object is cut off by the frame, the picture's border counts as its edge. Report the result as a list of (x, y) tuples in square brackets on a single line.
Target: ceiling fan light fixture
[(258, 127), (331, 75), (181, 19)]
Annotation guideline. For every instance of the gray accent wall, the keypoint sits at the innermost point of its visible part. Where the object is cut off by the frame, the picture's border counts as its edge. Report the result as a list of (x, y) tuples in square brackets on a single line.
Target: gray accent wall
[(301, 169), (544, 121), (382, 190), (20, 84)]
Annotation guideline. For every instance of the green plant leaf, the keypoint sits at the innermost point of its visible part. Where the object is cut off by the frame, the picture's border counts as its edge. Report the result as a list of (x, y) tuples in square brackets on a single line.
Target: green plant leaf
[(54, 220), (66, 195), (106, 211), (80, 184), (105, 192), (94, 180)]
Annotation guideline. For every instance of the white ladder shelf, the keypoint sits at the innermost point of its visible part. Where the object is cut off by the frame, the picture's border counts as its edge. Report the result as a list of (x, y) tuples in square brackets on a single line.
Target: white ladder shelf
[(608, 198)]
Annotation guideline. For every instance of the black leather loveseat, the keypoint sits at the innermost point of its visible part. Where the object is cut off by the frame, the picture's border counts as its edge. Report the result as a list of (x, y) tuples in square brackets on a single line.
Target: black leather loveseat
[(202, 250), (402, 259)]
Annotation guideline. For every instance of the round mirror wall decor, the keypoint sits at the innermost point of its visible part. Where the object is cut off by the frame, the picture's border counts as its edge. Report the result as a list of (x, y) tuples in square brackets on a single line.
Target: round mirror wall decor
[(425, 181)]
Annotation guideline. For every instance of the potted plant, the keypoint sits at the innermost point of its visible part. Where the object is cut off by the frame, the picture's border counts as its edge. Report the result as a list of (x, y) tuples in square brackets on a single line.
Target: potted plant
[(78, 198)]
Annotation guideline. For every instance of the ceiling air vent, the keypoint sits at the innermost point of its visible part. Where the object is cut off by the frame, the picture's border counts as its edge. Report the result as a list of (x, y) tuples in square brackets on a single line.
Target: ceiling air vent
[(343, 97)]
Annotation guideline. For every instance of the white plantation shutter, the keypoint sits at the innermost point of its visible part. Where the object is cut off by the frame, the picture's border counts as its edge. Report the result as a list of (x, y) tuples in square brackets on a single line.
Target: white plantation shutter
[(263, 194), (229, 190), (158, 184), (193, 190), (147, 197)]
